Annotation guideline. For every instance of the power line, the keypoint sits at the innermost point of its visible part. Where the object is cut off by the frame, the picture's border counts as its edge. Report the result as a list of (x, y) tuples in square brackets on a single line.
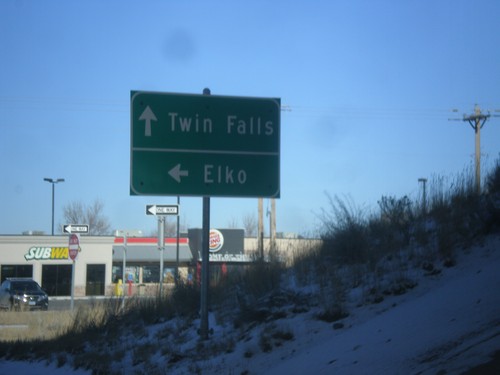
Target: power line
[(107, 105)]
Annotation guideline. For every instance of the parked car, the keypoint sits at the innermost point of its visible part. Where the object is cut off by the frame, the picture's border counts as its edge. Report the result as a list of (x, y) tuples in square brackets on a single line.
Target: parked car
[(22, 294)]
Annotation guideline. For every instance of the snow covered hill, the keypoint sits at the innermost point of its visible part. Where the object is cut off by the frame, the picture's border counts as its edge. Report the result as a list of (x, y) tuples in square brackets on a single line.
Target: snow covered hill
[(448, 324)]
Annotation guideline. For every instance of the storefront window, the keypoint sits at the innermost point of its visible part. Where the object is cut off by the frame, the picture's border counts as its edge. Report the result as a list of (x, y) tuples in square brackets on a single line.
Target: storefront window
[(169, 275), (116, 274), (131, 274), (151, 274), (14, 270), (95, 279), (56, 279)]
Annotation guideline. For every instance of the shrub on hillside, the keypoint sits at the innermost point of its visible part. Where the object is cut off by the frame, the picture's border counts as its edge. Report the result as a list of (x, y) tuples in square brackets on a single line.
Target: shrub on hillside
[(493, 180), (390, 231), (259, 279), (493, 199), (345, 235)]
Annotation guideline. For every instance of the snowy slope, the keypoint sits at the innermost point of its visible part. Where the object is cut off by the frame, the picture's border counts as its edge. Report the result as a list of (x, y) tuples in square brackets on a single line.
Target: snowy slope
[(450, 322), (450, 327)]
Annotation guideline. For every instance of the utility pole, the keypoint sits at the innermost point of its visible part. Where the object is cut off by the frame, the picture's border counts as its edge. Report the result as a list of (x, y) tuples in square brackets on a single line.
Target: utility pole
[(424, 195), (260, 228), (272, 222), (477, 121), (272, 226)]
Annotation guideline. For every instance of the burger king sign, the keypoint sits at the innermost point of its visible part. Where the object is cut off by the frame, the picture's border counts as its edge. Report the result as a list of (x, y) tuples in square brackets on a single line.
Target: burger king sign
[(216, 240)]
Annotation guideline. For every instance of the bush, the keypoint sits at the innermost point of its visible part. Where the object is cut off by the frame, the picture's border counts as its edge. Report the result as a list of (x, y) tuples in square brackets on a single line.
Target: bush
[(493, 180), (273, 336), (333, 313), (390, 231), (259, 279), (492, 221), (345, 236)]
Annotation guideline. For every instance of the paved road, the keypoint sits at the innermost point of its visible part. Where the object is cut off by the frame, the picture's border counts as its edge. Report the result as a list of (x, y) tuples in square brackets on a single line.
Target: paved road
[(64, 303)]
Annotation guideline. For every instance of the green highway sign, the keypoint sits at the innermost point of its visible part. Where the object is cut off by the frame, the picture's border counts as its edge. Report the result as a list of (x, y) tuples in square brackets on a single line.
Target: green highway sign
[(204, 145)]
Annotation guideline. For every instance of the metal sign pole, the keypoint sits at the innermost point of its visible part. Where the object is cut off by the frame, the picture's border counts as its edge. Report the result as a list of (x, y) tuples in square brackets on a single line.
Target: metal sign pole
[(73, 285), (205, 247), (177, 246), (123, 268), (125, 233), (73, 249), (161, 245), (205, 268)]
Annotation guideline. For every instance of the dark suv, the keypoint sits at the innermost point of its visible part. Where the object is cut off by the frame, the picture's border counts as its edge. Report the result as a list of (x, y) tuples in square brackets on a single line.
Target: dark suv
[(22, 294)]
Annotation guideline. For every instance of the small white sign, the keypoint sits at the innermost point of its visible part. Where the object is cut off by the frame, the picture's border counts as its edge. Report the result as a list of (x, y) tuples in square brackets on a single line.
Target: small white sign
[(76, 228), (162, 209)]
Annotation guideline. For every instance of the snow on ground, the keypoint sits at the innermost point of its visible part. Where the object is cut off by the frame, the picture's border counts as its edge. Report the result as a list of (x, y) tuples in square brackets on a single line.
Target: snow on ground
[(448, 324), (37, 368), (451, 326)]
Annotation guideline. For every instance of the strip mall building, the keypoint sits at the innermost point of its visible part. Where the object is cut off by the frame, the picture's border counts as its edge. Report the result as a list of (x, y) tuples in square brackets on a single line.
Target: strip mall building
[(100, 261)]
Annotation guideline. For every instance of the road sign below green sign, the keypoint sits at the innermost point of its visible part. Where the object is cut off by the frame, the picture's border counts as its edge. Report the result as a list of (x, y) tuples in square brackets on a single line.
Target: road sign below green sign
[(201, 145)]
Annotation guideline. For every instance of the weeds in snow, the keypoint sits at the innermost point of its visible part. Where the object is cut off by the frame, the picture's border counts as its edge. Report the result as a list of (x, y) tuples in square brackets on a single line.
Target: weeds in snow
[(370, 252)]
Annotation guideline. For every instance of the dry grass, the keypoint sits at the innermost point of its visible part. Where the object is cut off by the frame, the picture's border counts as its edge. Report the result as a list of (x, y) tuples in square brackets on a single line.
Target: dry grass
[(35, 325)]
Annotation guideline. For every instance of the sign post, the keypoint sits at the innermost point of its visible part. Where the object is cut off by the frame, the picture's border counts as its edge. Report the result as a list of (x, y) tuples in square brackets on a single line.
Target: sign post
[(204, 145), (161, 248), (73, 249), (205, 265), (125, 233), (177, 246)]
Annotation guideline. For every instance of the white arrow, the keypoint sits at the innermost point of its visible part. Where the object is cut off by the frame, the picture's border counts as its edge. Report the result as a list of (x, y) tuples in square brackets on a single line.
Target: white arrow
[(148, 116), (152, 210), (70, 228), (176, 173)]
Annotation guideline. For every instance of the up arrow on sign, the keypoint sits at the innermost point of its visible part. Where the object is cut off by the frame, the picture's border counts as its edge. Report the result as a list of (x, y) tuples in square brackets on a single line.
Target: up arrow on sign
[(162, 209), (148, 116)]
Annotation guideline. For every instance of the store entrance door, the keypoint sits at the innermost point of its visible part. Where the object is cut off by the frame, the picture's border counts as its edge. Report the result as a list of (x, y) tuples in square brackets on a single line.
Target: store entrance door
[(56, 279), (95, 279)]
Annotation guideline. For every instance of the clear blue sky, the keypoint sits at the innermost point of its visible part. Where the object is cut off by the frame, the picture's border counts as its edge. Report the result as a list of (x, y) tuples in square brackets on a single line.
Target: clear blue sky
[(370, 86)]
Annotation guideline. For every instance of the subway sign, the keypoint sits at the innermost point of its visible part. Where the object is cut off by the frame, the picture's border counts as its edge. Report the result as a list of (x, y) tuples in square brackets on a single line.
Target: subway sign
[(47, 253)]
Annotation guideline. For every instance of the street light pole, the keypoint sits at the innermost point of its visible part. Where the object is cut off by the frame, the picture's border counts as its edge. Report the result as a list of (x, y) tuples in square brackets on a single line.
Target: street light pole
[(424, 195), (53, 181)]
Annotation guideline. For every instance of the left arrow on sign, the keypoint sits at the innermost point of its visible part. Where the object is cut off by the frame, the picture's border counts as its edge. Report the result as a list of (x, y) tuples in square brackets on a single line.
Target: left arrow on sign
[(152, 209), (67, 228), (148, 116), (75, 228), (176, 173)]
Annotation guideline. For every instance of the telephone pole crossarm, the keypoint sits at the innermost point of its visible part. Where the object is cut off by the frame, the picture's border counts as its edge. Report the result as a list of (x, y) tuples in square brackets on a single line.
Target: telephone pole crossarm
[(478, 119)]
